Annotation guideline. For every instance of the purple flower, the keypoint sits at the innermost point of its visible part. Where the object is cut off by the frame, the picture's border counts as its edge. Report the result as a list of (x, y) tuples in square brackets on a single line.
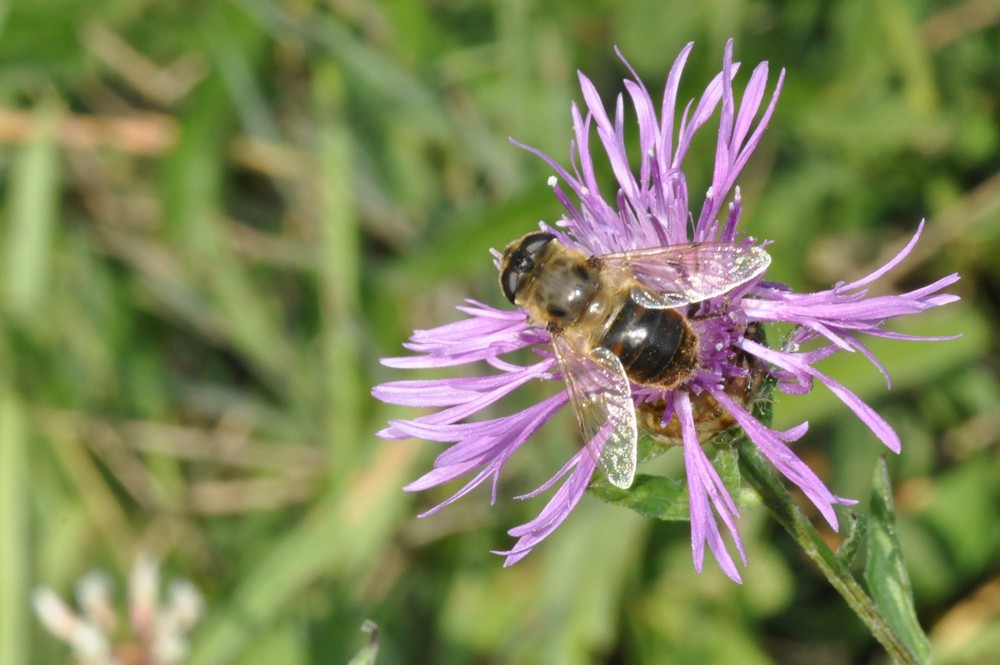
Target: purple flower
[(650, 209)]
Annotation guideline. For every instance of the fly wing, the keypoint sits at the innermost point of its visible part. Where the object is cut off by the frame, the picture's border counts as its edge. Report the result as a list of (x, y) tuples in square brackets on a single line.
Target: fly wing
[(684, 274), (601, 398)]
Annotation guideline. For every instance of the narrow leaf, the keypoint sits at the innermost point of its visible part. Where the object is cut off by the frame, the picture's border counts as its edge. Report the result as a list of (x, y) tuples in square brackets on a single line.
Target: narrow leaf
[(857, 529), (32, 213), (15, 555), (885, 572)]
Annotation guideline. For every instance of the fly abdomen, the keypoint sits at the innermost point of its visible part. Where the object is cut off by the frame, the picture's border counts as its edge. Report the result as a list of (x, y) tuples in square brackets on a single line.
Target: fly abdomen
[(657, 347)]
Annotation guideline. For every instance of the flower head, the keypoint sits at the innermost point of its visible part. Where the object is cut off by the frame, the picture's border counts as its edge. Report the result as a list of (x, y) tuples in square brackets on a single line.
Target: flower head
[(650, 209)]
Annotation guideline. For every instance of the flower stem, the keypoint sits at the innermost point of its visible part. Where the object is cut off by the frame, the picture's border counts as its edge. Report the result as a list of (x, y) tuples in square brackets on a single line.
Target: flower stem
[(758, 472)]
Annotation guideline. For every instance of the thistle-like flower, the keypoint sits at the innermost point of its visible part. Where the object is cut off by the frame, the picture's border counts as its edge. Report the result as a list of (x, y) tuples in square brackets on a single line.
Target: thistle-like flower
[(650, 210), (155, 635)]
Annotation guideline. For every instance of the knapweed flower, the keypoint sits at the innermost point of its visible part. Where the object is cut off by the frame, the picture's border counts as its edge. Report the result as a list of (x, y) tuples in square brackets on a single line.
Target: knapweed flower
[(650, 209), (155, 635)]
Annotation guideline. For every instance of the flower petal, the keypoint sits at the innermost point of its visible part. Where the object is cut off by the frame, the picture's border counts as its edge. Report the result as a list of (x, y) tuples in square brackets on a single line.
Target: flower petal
[(704, 486)]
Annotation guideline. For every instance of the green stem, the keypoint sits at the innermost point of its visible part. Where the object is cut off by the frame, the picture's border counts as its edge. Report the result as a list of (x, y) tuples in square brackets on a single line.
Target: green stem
[(759, 473)]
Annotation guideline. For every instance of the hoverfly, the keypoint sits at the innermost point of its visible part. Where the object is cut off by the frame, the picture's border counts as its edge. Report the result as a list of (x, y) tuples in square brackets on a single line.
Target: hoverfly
[(615, 320)]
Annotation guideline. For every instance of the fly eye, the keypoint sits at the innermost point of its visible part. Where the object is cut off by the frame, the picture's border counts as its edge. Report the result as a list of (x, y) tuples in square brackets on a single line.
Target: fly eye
[(534, 243), (508, 283), (520, 258)]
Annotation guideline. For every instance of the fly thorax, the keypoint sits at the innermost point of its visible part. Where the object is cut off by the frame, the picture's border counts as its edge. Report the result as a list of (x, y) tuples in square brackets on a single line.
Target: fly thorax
[(564, 289)]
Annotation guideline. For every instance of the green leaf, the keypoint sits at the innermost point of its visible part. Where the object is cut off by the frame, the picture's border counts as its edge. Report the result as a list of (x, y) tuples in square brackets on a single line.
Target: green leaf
[(15, 556), (650, 496), (651, 447), (857, 529), (666, 498), (885, 572), (727, 462), (33, 213)]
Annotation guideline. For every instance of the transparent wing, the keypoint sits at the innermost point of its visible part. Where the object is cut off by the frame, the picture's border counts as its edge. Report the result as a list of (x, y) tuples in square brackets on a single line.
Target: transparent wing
[(601, 397), (685, 274)]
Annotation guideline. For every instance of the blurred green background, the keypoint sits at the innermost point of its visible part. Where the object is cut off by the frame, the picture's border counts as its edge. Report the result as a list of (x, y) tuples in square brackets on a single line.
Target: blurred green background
[(217, 216)]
